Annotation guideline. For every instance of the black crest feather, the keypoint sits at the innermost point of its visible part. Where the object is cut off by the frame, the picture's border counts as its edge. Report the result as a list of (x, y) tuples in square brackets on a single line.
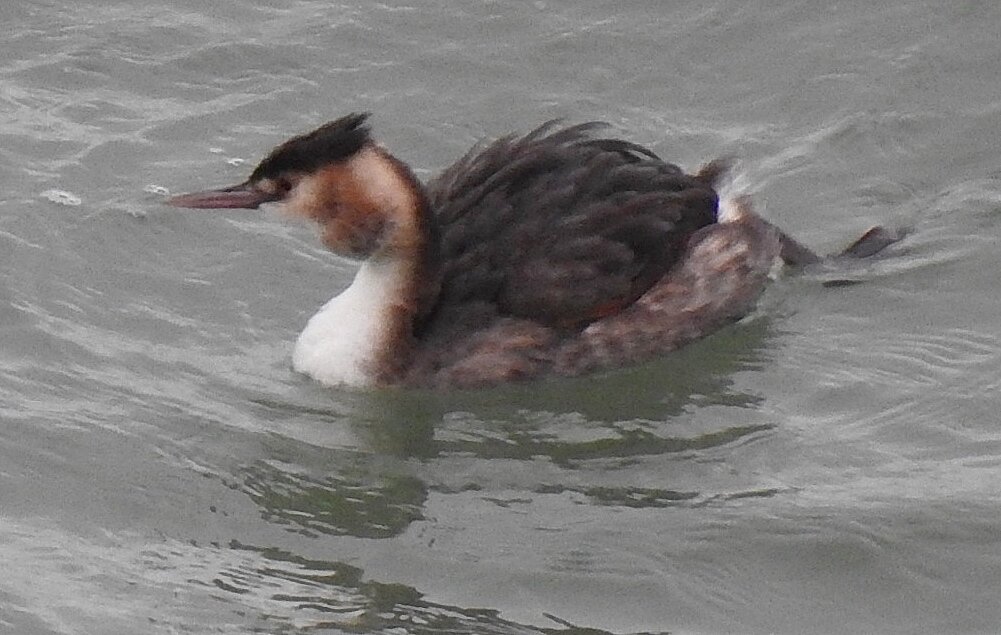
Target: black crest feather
[(330, 143)]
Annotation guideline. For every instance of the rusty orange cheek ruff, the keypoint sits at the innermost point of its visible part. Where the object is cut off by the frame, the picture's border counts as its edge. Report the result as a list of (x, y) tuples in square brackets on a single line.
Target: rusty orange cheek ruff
[(350, 219), (363, 205)]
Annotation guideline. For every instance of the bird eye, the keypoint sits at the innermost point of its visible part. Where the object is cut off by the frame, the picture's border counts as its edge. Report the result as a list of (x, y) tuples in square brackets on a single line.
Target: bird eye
[(282, 185)]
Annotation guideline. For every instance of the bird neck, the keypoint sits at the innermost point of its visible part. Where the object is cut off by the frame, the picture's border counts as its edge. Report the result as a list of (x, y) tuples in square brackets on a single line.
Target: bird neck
[(365, 335)]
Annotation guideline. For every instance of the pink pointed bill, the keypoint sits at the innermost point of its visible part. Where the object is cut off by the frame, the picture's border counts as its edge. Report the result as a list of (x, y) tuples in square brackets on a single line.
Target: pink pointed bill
[(243, 196)]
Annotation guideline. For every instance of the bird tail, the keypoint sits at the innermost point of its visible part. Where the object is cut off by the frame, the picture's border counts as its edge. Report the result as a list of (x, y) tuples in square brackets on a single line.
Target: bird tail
[(713, 173)]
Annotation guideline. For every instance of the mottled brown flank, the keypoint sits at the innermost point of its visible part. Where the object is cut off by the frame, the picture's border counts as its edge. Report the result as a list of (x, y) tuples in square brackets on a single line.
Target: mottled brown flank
[(508, 349), (721, 275), (724, 269)]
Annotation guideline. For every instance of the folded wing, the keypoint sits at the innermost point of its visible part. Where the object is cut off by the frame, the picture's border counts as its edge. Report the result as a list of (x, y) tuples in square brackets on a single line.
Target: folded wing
[(560, 226)]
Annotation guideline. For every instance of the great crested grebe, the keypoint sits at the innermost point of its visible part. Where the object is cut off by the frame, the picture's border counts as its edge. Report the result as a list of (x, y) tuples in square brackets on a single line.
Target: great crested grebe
[(554, 253)]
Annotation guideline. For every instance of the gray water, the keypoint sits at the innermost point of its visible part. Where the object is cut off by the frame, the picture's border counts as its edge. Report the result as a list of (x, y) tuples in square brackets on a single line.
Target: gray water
[(831, 464)]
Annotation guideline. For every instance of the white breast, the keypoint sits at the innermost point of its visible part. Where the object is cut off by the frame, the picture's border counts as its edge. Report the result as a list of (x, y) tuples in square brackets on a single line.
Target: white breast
[(340, 343)]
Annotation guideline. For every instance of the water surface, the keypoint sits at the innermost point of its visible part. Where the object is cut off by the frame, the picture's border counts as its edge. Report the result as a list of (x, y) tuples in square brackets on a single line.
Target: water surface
[(828, 465)]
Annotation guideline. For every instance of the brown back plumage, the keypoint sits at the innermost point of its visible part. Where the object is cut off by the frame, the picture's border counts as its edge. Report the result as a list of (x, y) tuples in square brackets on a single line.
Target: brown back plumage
[(560, 226)]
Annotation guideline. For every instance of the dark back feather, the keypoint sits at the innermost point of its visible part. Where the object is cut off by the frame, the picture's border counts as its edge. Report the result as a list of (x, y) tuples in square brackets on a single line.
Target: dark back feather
[(560, 226)]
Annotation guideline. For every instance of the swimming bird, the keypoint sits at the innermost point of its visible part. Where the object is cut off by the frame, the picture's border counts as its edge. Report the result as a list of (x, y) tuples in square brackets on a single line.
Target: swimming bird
[(554, 253)]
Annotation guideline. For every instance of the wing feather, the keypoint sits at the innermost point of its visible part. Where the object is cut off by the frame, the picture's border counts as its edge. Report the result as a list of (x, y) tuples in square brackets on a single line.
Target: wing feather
[(561, 227)]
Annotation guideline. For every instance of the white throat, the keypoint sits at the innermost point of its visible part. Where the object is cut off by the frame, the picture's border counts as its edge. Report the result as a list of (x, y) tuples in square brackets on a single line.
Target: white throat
[(340, 344)]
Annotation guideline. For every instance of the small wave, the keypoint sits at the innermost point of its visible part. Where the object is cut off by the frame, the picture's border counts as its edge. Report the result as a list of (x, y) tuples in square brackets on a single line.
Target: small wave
[(62, 197)]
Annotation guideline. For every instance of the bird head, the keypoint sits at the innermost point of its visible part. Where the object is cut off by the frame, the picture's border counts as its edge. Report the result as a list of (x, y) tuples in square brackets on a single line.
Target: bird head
[(361, 196)]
